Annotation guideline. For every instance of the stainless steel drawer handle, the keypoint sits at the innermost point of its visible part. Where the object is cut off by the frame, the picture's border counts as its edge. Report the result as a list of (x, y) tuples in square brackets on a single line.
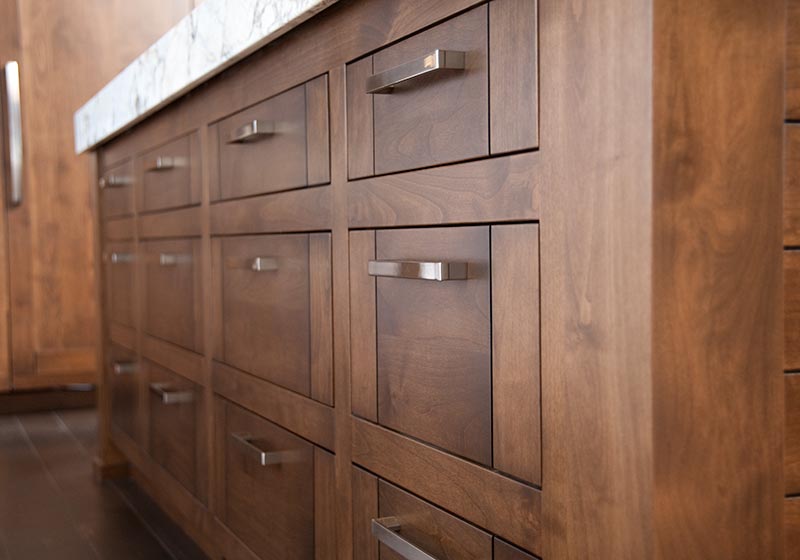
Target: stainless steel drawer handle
[(418, 270), (164, 163), (171, 259), (256, 264), (266, 458), (387, 531), (14, 123), (169, 395), (124, 368), (434, 61), (253, 131), (114, 181), (121, 258)]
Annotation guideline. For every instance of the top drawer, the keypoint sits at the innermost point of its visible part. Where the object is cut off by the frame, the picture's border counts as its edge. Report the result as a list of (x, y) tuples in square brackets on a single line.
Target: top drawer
[(116, 191), (462, 90), (171, 175), (279, 144)]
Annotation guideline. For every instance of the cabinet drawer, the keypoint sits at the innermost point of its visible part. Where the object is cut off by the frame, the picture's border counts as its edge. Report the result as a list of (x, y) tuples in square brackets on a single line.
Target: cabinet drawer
[(445, 339), (276, 309), (174, 403), (279, 144), (120, 296), (116, 191), (171, 175), (275, 486), (172, 307), (124, 374), (426, 100)]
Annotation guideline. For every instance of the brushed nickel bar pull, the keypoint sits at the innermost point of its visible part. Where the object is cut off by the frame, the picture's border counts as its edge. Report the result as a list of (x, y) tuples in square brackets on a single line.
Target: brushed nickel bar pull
[(13, 102), (434, 61), (266, 458), (121, 258), (171, 259), (256, 264), (170, 396), (124, 368), (417, 270), (253, 131), (163, 163), (114, 181), (386, 530)]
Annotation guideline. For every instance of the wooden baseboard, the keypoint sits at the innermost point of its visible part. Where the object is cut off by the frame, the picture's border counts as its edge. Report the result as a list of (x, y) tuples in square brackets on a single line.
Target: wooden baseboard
[(19, 402), (104, 470)]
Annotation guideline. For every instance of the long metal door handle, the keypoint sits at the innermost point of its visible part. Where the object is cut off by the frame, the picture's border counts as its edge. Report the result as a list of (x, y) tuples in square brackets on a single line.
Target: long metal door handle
[(266, 458), (387, 531), (173, 259), (114, 181), (164, 163), (253, 131), (124, 368), (121, 258), (435, 61), (169, 395), (256, 264), (418, 270), (13, 102)]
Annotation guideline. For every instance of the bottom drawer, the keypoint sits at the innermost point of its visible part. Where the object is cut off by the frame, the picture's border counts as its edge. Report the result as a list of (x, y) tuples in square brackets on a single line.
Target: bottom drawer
[(124, 374), (174, 402), (278, 488), (392, 524)]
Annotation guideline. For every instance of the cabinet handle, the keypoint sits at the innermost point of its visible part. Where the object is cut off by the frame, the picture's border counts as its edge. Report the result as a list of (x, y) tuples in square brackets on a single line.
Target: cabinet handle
[(124, 368), (416, 270), (163, 163), (172, 259), (170, 396), (266, 458), (121, 258), (434, 61), (256, 264), (253, 131), (13, 105), (386, 530), (114, 181)]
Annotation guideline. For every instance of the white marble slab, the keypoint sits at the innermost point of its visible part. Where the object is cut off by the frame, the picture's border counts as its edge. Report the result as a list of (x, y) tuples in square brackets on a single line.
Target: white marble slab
[(213, 36)]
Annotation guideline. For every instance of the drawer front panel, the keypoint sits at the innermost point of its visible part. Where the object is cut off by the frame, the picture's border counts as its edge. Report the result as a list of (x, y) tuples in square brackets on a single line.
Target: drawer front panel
[(171, 175), (172, 291), (121, 266), (174, 402), (116, 191), (269, 156), (276, 308), (445, 339), (124, 373), (269, 487)]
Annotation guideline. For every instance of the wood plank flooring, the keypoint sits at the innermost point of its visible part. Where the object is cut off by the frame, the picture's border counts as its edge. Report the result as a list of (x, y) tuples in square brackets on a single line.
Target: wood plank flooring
[(50, 506)]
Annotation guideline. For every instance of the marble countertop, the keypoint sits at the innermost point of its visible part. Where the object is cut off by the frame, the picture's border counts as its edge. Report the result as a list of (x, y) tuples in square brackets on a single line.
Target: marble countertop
[(211, 38)]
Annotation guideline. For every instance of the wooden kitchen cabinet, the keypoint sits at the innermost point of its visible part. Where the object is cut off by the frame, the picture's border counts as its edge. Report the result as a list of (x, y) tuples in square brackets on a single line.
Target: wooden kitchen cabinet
[(48, 276)]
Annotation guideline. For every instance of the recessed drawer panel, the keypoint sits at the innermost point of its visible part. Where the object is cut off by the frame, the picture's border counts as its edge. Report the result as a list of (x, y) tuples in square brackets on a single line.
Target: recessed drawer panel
[(171, 175), (124, 374), (172, 307), (276, 309), (120, 261), (445, 340), (426, 100), (277, 488), (116, 191), (174, 405), (279, 144)]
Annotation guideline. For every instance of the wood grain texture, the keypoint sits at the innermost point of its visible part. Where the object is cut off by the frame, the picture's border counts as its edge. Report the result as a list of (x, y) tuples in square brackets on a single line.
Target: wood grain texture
[(321, 317), (791, 455), (500, 189), (116, 197), (513, 75), (360, 121), (363, 329), (120, 229), (365, 509), (318, 151), (718, 391), (505, 551), (791, 310), (791, 518), (172, 187), (791, 185), (324, 505), (507, 508), (793, 59), (176, 223), (516, 395), (177, 359)]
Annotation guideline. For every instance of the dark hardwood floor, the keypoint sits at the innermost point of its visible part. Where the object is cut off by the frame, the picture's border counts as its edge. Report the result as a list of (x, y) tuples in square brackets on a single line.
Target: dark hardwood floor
[(51, 507)]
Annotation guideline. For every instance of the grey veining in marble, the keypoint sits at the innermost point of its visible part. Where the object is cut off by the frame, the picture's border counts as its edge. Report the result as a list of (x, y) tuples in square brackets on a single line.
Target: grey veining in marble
[(212, 37)]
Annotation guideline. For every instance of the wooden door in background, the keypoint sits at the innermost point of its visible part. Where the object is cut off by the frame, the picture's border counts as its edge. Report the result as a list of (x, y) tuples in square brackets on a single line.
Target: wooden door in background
[(67, 50)]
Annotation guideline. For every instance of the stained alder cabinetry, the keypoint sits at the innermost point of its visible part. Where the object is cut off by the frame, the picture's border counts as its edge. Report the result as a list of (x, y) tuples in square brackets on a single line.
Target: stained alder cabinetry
[(48, 279), (460, 279)]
